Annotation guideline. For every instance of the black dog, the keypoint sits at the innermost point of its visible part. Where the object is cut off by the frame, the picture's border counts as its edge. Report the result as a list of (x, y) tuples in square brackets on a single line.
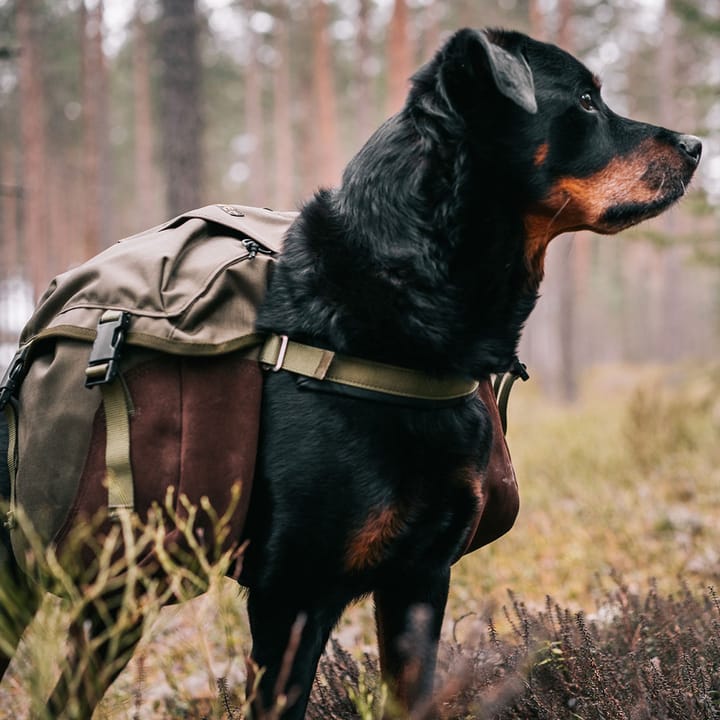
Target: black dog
[(429, 256)]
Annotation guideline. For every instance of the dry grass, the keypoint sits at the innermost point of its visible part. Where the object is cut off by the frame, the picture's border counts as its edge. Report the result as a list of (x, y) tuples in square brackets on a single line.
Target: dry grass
[(628, 479), (646, 657), (623, 485)]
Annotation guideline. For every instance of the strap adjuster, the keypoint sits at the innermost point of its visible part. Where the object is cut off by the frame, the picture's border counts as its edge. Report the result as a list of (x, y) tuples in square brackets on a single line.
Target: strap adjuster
[(103, 364), (13, 376), (281, 355)]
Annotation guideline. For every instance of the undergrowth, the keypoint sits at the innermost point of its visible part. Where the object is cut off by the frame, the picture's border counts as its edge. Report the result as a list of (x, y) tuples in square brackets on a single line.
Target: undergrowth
[(627, 479), (639, 657), (642, 657)]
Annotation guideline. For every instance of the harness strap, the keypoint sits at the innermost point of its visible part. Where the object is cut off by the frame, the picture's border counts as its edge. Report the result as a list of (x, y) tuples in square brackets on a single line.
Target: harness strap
[(280, 353), (121, 495), (11, 416), (502, 387)]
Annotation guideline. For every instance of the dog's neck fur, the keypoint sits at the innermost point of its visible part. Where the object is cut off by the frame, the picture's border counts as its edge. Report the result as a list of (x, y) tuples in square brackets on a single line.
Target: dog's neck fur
[(409, 262)]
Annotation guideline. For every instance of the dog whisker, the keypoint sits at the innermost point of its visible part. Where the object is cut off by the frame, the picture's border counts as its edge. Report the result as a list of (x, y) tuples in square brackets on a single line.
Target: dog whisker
[(548, 234), (658, 192)]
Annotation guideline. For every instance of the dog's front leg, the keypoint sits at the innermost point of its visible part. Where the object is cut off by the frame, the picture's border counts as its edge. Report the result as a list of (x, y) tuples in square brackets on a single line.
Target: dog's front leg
[(409, 613), (288, 640)]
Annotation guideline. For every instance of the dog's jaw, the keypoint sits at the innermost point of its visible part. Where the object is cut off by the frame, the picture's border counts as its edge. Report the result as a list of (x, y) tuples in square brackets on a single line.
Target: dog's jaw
[(627, 190)]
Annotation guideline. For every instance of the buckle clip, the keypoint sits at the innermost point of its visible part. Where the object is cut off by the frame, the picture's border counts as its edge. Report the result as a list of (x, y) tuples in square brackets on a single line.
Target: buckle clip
[(519, 370), (105, 354), (13, 376), (10, 522)]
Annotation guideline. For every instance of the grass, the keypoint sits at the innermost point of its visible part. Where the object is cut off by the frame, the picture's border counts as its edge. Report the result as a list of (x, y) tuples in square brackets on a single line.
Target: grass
[(628, 479), (620, 496)]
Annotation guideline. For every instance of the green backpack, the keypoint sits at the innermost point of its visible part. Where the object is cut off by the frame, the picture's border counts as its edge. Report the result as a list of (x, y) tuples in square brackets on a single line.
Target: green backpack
[(138, 372)]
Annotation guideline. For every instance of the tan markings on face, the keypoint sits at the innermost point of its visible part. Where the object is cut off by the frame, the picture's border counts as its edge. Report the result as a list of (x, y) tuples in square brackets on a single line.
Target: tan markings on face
[(580, 203), (541, 155), (367, 548)]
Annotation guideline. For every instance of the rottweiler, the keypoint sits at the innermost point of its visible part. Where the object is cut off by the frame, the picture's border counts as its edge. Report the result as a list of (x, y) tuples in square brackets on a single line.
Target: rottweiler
[(427, 258)]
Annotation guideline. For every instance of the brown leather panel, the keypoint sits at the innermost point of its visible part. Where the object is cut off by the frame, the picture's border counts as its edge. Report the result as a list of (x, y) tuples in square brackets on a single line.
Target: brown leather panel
[(496, 489), (219, 418), (193, 427)]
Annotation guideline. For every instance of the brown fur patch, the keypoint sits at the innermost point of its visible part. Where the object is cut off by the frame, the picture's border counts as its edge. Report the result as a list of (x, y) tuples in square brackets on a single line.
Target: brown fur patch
[(541, 154), (367, 548), (580, 203), (537, 237)]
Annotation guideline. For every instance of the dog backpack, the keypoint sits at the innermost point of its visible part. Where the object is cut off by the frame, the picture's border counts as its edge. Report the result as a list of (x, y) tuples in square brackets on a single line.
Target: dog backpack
[(139, 373), (178, 303)]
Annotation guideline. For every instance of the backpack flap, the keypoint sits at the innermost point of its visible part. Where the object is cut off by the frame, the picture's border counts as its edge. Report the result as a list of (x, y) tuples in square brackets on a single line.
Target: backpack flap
[(191, 286), (173, 417)]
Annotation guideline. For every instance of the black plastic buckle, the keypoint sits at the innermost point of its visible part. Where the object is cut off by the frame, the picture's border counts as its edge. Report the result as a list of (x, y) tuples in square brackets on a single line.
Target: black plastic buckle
[(13, 376), (519, 369), (105, 354)]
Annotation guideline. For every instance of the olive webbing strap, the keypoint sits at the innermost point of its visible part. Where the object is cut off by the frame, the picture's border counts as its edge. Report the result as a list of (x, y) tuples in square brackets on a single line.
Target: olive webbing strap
[(502, 386), (121, 495), (280, 353), (11, 417)]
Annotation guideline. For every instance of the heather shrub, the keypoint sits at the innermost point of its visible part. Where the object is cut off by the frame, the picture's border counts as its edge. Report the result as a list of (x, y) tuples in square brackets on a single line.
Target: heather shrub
[(640, 657)]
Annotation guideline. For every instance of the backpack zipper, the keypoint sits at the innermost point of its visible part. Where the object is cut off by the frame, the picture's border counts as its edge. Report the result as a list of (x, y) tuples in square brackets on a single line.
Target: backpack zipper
[(254, 248)]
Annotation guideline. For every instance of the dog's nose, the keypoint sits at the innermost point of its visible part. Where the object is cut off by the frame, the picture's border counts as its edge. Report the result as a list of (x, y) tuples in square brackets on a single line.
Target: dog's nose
[(691, 146)]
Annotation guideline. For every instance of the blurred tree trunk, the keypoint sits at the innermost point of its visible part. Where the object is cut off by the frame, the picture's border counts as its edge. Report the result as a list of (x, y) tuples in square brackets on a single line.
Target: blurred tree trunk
[(146, 180), (65, 221), (32, 132), (363, 83), (550, 339), (254, 125), (181, 103), (669, 343), (283, 129), (400, 57), (566, 266), (537, 20), (94, 128), (561, 267), (10, 185), (531, 349), (432, 30), (468, 13), (326, 137)]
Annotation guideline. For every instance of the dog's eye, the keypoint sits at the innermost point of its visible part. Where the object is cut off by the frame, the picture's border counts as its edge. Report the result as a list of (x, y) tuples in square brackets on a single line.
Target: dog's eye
[(586, 102)]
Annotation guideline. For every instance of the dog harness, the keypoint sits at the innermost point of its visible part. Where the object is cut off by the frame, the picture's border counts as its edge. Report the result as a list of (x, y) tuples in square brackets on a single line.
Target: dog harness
[(280, 353)]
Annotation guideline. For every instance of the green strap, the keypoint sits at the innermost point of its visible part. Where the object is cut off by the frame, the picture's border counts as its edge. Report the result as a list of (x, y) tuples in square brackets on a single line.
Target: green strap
[(11, 416), (503, 385), (279, 353), (121, 495)]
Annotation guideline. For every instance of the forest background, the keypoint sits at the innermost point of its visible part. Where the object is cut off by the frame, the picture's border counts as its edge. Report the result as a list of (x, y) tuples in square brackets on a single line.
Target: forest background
[(116, 115)]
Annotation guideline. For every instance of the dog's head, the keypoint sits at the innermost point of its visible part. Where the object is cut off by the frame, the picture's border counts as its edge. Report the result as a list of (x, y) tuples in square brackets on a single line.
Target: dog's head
[(535, 118)]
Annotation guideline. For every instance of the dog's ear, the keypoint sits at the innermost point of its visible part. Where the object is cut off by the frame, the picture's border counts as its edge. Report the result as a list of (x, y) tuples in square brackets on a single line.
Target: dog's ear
[(470, 55)]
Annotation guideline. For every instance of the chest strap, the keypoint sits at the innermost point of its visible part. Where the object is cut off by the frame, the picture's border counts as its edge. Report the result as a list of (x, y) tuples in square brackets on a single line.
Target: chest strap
[(280, 353)]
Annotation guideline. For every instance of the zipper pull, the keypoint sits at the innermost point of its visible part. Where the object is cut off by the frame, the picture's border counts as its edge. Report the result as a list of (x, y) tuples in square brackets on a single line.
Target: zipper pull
[(254, 248)]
